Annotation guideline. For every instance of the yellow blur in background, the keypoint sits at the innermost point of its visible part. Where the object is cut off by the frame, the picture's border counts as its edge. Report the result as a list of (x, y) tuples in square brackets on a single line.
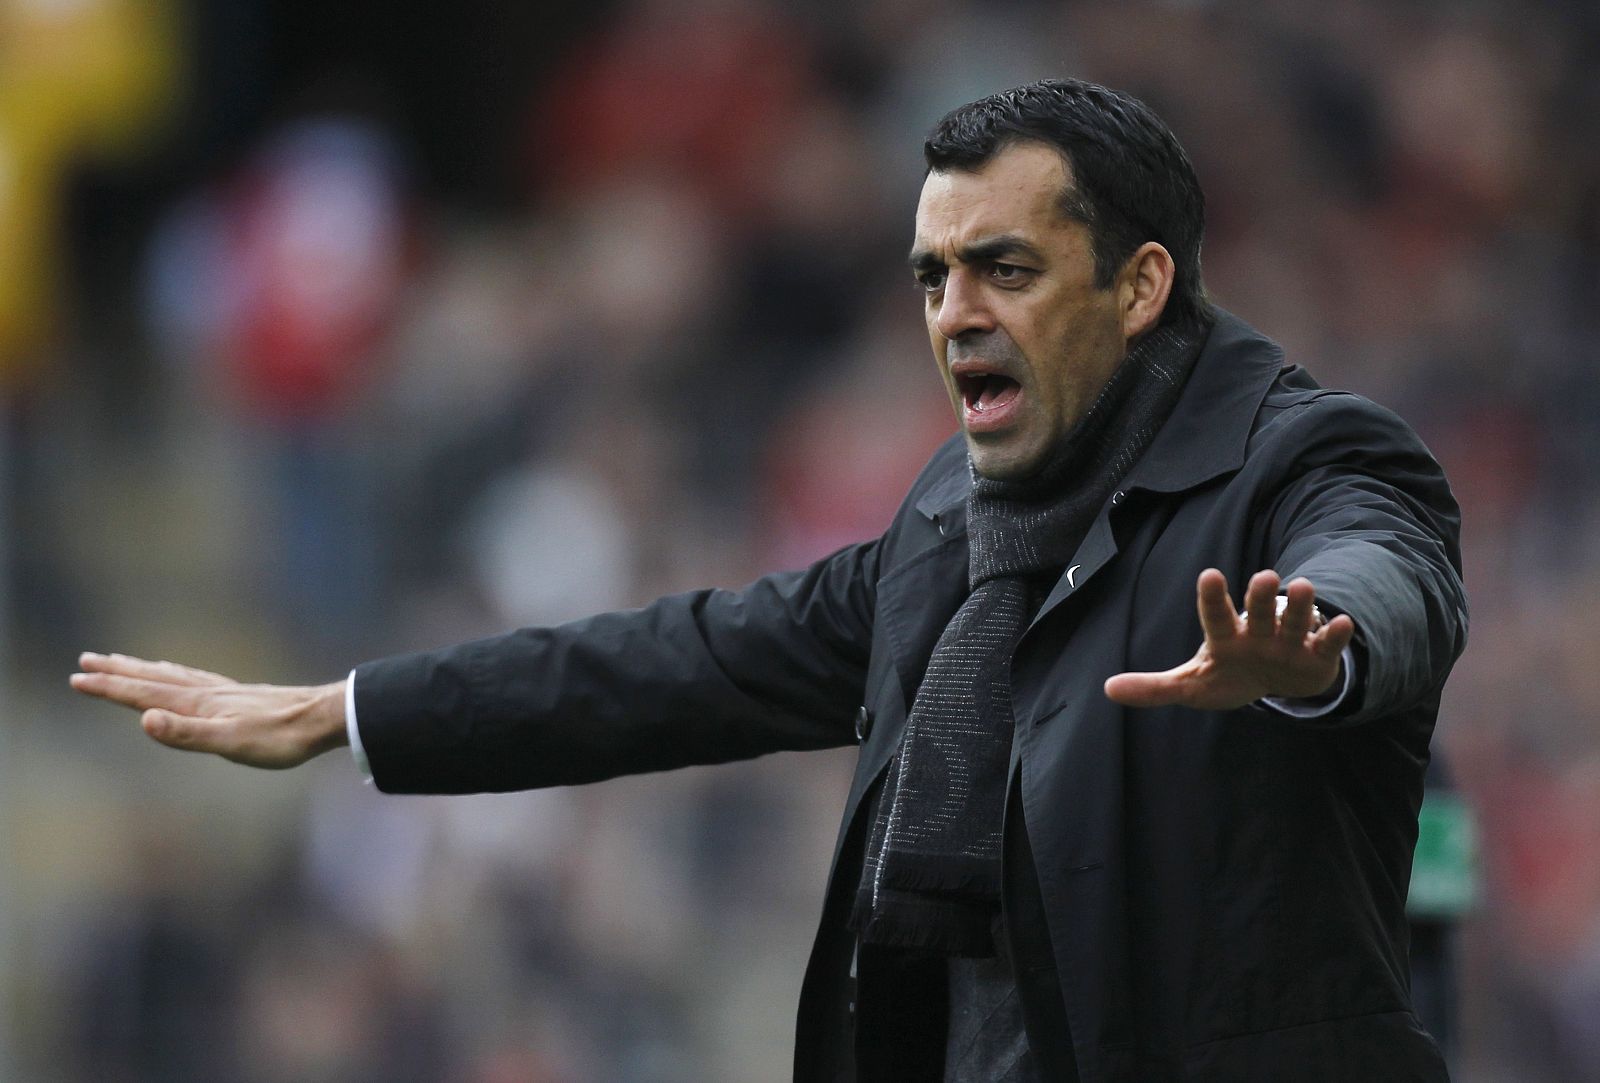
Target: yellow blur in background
[(89, 79)]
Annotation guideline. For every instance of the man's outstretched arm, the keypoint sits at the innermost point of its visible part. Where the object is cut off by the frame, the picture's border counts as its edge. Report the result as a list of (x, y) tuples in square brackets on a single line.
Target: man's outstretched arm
[(702, 677), (260, 725), (1366, 525)]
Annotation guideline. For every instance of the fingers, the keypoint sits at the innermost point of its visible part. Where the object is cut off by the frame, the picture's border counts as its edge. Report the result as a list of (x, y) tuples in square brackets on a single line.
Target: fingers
[(1219, 621), (1332, 638), (138, 693), (1261, 605), (1296, 619), (135, 682), (168, 672), (1217, 618)]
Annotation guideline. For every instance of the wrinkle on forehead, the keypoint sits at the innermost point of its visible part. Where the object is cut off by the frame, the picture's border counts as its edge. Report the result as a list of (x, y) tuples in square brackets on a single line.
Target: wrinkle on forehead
[(1017, 192)]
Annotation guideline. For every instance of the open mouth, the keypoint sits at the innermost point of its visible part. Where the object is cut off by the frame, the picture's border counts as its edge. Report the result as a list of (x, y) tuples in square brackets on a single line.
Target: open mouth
[(986, 391)]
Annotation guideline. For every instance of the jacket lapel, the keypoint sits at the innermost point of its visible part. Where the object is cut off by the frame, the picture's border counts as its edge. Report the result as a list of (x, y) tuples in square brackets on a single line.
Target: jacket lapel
[(918, 597), (916, 600), (1094, 552)]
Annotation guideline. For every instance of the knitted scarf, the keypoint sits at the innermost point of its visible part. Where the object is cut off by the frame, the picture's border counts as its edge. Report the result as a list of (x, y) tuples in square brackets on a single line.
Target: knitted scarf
[(931, 875)]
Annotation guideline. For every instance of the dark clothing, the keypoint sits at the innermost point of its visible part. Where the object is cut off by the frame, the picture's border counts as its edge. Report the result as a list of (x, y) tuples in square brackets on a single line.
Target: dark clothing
[(1019, 994), (933, 860), (923, 1016), (1222, 893), (986, 1041)]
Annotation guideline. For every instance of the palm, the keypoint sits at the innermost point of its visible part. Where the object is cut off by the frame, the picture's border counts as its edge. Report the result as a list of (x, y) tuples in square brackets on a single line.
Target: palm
[(1245, 657)]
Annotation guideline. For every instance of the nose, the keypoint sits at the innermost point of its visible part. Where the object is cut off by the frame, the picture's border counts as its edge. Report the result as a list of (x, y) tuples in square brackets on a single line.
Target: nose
[(962, 308)]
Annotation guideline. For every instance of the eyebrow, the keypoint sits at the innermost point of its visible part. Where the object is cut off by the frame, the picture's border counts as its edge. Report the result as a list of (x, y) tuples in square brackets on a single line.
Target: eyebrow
[(987, 250)]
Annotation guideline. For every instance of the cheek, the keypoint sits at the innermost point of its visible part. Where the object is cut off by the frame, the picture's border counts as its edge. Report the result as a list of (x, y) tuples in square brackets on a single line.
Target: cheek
[(940, 346)]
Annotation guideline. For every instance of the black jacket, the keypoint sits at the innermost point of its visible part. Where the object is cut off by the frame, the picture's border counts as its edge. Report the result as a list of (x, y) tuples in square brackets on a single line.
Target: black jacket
[(1223, 891)]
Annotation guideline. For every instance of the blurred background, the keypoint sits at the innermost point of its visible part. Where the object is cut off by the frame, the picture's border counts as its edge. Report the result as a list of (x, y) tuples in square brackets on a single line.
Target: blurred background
[(332, 328)]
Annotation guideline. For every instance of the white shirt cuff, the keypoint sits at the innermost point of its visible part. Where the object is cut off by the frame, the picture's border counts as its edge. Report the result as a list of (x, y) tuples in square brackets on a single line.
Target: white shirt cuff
[(1299, 708), (352, 729)]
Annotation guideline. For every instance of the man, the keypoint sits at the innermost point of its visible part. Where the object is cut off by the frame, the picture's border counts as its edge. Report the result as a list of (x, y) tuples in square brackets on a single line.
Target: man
[(1067, 853)]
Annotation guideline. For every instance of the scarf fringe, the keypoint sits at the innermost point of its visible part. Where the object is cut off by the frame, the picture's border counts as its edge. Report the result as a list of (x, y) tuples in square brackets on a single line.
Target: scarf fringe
[(955, 876)]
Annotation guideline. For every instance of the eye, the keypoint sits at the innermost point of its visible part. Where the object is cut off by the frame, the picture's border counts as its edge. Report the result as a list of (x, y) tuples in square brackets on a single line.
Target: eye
[(1007, 272), (931, 281)]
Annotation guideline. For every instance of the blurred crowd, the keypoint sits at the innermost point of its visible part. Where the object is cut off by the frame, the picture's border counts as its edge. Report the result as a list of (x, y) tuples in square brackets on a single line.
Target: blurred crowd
[(331, 330)]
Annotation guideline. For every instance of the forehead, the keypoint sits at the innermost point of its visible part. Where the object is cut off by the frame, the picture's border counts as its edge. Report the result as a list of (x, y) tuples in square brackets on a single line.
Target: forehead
[(1017, 191)]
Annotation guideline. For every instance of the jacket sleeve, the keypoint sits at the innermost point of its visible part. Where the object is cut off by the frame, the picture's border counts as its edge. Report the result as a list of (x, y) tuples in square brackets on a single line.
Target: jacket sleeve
[(1366, 515), (702, 677)]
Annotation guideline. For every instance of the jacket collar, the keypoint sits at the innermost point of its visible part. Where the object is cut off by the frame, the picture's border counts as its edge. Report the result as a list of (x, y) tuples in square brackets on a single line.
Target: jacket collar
[(1204, 438)]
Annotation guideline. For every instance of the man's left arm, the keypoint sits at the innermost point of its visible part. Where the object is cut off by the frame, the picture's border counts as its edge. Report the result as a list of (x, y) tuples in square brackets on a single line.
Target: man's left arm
[(1363, 526)]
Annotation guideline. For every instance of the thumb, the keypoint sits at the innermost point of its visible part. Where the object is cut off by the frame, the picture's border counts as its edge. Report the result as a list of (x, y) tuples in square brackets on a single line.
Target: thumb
[(1145, 689), (182, 731)]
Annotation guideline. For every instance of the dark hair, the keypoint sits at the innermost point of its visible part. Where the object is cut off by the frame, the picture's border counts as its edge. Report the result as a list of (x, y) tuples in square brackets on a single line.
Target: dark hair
[(1131, 181)]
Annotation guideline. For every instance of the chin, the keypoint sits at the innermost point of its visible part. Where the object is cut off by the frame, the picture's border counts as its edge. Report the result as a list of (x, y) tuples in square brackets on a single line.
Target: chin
[(997, 465)]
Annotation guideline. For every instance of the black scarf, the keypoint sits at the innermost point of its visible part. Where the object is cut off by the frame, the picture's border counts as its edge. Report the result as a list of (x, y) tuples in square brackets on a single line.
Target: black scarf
[(931, 875)]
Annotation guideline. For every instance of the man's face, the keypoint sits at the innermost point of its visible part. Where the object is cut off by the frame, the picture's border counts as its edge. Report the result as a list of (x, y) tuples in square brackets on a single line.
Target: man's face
[(1024, 340)]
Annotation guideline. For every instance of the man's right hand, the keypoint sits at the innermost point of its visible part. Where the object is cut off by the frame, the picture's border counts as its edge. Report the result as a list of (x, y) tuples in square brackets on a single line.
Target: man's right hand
[(260, 725)]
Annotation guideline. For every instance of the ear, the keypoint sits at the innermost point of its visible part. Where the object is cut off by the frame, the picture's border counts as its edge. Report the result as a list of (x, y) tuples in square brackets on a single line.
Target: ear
[(1143, 288)]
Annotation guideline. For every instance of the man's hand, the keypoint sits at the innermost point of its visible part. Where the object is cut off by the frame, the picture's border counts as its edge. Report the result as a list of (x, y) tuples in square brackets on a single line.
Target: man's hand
[(1248, 656), (261, 725)]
